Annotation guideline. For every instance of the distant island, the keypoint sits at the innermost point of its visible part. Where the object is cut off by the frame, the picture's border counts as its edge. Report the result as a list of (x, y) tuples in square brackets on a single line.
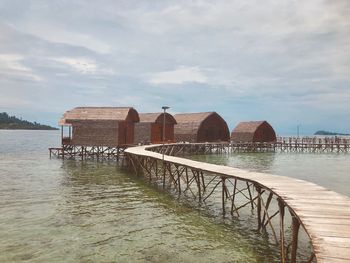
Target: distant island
[(330, 133), (8, 122)]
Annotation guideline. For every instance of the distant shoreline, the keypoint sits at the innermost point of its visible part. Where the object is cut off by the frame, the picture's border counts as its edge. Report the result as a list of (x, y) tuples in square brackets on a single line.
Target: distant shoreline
[(29, 129), (328, 133), (8, 122)]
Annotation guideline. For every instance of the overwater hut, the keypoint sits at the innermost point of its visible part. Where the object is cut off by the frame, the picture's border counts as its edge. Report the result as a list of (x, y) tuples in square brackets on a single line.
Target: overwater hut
[(253, 131), (99, 126), (150, 128), (201, 127)]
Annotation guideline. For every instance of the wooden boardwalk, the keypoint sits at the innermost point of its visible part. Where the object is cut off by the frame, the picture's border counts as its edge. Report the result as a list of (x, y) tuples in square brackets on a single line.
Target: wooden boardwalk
[(323, 214), (231, 147), (88, 152), (289, 144)]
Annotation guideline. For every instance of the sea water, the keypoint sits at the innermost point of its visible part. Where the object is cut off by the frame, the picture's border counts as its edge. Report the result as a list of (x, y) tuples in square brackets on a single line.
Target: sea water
[(54, 210)]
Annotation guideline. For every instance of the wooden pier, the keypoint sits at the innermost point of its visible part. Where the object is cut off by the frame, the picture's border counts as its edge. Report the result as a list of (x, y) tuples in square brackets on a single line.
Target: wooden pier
[(283, 144), (314, 144), (295, 146), (284, 207), (231, 147), (88, 152)]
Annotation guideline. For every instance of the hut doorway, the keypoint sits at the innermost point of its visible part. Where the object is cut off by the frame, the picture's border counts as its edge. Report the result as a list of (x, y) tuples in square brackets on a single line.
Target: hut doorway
[(156, 133)]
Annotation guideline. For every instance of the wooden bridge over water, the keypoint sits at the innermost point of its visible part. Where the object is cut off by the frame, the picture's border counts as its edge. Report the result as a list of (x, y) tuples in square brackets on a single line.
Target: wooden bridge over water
[(284, 207), (282, 145)]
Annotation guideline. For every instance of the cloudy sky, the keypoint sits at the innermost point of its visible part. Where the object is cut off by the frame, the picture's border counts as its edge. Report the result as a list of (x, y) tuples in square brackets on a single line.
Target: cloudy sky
[(284, 61)]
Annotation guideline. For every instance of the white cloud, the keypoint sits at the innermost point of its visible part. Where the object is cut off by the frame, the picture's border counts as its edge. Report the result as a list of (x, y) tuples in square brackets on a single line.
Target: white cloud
[(11, 64), (83, 65), (178, 76), (11, 102), (54, 33), (12, 61), (92, 91), (240, 51), (140, 103)]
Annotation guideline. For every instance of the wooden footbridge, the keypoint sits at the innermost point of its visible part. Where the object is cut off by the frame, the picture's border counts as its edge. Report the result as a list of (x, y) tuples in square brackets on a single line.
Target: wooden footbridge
[(286, 209), (289, 146), (103, 152), (88, 152), (283, 144)]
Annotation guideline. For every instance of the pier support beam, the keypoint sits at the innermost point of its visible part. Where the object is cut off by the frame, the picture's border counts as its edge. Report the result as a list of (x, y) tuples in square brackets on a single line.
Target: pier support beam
[(281, 206), (295, 231)]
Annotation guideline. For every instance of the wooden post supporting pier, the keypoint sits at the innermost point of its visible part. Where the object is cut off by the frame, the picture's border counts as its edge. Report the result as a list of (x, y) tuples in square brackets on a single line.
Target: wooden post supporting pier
[(295, 231), (203, 180)]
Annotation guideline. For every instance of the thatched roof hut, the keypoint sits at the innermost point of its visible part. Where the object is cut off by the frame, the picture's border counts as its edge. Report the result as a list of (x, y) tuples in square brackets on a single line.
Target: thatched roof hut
[(100, 113), (150, 128), (253, 131), (201, 127), (101, 126)]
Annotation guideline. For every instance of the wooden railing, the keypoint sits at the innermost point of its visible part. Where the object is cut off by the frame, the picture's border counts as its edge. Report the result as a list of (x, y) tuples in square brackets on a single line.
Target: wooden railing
[(285, 208)]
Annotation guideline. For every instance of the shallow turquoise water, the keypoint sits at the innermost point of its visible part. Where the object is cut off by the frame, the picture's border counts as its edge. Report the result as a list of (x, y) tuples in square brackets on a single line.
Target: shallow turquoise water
[(72, 211)]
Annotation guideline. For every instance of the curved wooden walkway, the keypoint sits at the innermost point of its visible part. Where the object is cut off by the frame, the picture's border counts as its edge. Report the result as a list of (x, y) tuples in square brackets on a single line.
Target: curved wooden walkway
[(324, 214)]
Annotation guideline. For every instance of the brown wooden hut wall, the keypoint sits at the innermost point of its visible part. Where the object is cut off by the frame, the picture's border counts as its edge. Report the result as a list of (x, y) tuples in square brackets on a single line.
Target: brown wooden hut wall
[(142, 132), (157, 132), (153, 132), (129, 138), (264, 133), (122, 135), (95, 132), (185, 137), (132, 117), (169, 132), (150, 128), (242, 136), (253, 131), (101, 126), (213, 129), (157, 129), (102, 133), (201, 127)]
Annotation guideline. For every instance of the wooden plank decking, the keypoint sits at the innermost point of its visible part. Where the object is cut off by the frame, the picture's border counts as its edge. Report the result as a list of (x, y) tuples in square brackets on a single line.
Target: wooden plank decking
[(324, 214)]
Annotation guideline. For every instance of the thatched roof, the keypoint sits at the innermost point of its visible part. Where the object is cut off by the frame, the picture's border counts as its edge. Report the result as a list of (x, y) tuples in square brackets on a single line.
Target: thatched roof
[(156, 117), (188, 123), (99, 113), (248, 126), (192, 117), (247, 132), (201, 127)]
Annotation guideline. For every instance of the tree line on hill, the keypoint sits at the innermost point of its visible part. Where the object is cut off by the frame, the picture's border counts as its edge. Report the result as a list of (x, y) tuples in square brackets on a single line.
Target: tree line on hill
[(13, 123), (330, 133)]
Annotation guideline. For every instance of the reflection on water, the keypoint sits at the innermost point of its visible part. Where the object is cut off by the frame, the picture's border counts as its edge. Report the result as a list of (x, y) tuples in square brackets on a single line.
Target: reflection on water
[(73, 211), (262, 162), (330, 170)]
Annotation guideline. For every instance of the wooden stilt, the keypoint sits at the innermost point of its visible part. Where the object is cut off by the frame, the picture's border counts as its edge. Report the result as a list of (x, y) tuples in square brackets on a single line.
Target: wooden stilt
[(250, 196), (199, 186), (164, 171), (223, 195), (282, 238), (258, 189), (295, 229), (311, 258)]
